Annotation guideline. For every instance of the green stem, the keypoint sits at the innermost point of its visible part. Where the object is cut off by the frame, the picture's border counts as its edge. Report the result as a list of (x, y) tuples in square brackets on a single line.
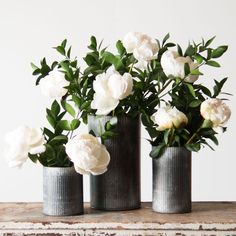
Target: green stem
[(194, 134), (164, 87), (171, 137)]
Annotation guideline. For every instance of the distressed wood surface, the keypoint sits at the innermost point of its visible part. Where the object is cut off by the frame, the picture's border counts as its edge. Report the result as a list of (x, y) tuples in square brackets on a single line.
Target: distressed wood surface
[(212, 218)]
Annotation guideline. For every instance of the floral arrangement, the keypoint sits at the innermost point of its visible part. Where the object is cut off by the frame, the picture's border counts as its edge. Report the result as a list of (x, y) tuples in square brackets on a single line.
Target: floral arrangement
[(188, 114), (132, 82)]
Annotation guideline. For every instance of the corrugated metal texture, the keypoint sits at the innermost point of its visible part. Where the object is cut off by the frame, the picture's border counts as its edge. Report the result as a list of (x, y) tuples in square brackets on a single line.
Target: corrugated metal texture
[(119, 187), (172, 181), (62, 191)]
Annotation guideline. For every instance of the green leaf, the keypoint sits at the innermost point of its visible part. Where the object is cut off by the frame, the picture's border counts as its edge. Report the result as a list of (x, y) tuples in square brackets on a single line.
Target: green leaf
[(189, 51), (213, 63), (48, 133), (170, 45), (64, 42), (65, 66), (33, 158), (34, 67), (108, 135), (208, 42), (193, 147), (51, 121), (198, 58), (180, 52), (64, 124), (112, 59), (209, 53), (68, 108), (55, 108), (207, 124), (191, 89), (68, 52), (218, 52), (74, 124), (85, 105), (165, 39), (121, 49), (186, 69), (166, 136), (61, 50), (196, 72), (206, 91), (157, 151), (90, 59), (195, 103), (76, 100), (50, 152), (93, 43), (214, 139), (218, 86), (61, 115), (37, 72), (60, 139)]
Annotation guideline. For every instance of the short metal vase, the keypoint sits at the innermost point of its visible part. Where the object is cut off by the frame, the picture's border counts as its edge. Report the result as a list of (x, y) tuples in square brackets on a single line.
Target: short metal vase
[(119, 187), (172, 181), (62, 191)]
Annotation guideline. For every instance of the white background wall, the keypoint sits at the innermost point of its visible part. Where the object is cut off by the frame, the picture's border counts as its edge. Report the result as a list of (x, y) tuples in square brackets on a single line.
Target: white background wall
[(30, 28)]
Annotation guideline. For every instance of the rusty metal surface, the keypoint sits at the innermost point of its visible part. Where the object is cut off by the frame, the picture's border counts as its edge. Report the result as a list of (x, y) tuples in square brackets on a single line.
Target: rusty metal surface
[(205, 219)]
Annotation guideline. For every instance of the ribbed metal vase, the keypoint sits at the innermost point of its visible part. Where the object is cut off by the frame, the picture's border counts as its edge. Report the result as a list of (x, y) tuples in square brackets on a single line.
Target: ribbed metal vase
[(62, 191), (119, 187), (172, 181)]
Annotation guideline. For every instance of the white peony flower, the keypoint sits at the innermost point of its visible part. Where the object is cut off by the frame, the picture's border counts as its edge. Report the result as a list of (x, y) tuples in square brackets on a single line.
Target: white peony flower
[(53, 85), (143, 47), (216, 111), (22, 141), (169, 117), (120, 86), (173, 64), (104, 104), (88, 154), (110, 87)]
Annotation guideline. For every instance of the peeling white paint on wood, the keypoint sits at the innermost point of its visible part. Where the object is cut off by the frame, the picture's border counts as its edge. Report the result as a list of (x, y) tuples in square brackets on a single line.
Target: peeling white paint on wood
[(206, 219)]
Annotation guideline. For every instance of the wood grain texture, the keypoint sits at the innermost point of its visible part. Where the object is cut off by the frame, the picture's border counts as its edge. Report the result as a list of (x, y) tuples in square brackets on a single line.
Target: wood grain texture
[(206, 219)]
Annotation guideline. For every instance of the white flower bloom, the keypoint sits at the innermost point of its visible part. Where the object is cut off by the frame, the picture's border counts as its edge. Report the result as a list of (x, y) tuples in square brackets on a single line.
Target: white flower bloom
[(22, 141), (53, 85), (110, 87), (143, 47), (120, 86), (131, 41), (104, 104), (169, 117), (173, 64), (216, 111), (88, 154)]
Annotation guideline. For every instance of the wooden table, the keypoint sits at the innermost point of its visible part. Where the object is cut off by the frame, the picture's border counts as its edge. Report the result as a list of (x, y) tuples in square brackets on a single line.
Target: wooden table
[(206, 219)]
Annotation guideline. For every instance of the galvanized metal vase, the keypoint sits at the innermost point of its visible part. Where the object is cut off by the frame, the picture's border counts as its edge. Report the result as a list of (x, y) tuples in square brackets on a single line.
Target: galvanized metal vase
[(172, 181), (62, 191), (119, 187)]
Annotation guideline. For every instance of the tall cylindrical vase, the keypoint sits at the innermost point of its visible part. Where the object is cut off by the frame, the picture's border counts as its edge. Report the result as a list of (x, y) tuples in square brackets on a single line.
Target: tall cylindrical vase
[(172, 181), (62, 191), (119, 187)]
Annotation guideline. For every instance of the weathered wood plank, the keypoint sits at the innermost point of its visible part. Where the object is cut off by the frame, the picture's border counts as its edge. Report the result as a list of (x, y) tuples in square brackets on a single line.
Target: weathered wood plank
[(206, 219)]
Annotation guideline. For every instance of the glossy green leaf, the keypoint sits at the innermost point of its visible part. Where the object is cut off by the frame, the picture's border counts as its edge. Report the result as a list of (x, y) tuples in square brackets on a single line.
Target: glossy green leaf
[(213, 63), (218, 52)]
